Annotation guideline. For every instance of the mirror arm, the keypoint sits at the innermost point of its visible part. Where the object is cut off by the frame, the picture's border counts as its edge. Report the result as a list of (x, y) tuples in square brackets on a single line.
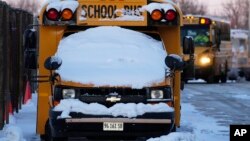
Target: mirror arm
[(54, 77), (39, 78), (190, 61)]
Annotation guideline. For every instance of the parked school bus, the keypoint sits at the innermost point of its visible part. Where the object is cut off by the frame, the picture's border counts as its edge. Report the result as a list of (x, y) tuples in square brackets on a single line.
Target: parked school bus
[(59, 22), (212, 47), (241, 55)]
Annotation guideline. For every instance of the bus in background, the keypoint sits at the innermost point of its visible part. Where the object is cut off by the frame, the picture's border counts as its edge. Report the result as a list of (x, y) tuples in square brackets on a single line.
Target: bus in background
[(212, 47), (241, 55), (93, 82)]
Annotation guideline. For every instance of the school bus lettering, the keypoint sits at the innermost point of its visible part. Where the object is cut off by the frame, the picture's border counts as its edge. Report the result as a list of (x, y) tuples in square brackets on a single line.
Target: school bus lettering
[(99, 11), (110, 11), (132, 10)]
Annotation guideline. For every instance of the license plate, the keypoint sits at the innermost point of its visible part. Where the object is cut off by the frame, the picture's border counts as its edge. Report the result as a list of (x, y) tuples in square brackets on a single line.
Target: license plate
[(112, 126)]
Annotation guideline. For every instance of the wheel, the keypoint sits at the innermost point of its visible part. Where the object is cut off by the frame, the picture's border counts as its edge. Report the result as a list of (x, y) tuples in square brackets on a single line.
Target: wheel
[(173, 129), (223, 78), (48, 135), (241, 73), (247, 77), (212, 79), (233, 74)]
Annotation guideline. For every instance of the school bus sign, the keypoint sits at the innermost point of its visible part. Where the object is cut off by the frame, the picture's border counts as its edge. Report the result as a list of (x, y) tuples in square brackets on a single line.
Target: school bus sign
[(108, 12)]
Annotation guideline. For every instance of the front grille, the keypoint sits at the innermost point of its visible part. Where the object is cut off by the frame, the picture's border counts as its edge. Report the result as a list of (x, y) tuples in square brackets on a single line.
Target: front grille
[(107, 91), (109, 96), (124, 99), (100, 95)]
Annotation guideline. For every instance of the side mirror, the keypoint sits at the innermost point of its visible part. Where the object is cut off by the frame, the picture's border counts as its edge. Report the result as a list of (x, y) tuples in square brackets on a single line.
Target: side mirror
[(52, 63), (30, 39), (30, 45), (188, 48), (188, 45), (174, 62), (30, 59)]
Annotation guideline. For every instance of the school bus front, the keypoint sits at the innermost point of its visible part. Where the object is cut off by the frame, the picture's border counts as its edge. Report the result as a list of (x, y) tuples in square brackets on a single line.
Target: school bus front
[(107, 80), (212, 47)]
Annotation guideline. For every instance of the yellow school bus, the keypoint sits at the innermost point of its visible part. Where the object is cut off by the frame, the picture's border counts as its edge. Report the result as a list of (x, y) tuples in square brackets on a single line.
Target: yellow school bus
[(241, 55), (59, 22), (212, 47)]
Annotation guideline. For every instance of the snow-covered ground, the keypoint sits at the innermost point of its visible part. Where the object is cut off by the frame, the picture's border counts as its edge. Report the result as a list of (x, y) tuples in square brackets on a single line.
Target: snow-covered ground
[(22, 125), (196, 125)]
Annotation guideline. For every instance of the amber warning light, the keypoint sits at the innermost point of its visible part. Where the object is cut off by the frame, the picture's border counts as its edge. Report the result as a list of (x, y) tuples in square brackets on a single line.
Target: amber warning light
[(205, 21)]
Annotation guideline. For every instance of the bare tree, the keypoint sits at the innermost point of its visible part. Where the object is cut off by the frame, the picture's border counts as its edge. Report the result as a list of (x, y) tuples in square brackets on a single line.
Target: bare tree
[(191, 7), (28, 5), (237, 12)]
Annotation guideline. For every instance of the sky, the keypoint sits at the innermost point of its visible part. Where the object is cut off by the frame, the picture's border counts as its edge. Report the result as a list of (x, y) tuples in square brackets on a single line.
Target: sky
[(215, 6)]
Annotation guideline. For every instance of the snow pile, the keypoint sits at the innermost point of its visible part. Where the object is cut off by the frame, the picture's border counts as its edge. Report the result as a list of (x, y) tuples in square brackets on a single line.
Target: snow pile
[(112, 56), (175, 136), (152, 6), (12, 133), (61, 5), (204, 127), (22, 125), (129, 110)]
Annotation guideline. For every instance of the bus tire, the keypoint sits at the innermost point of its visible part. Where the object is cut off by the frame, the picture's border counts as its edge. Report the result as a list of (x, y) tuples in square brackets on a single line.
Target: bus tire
[(48, 135), (43, 137), (247, 77), (212, 79), (173, 129), (223, 78)]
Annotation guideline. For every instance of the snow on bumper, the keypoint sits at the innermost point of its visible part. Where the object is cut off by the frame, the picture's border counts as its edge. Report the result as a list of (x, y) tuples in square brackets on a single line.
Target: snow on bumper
[(78, 119), (82, 125), (129, 110)]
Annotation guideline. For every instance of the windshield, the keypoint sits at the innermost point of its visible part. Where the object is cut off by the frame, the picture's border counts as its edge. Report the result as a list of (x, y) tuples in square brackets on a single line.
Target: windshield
[(199, 34)]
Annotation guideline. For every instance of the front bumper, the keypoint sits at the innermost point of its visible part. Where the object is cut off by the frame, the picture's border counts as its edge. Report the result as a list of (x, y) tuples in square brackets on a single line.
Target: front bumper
[(203, 72), (81, 125)]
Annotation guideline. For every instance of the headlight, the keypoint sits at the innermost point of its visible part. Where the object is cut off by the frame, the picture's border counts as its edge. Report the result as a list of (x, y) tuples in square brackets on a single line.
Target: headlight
[(157, 94), (68, 93), (205, 60)]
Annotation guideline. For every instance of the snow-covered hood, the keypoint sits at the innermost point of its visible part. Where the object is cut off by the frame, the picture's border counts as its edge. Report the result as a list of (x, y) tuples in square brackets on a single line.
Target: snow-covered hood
[(112, 56)]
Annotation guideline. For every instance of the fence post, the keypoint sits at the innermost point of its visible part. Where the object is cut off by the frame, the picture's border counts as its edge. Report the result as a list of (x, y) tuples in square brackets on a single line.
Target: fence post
[(6, 63), (14, 63), (2, 105), (18, 87)]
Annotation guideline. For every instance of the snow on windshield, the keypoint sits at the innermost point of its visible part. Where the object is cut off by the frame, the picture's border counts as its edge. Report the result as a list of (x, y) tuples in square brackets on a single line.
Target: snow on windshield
[(114, 56), (129, 110)]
